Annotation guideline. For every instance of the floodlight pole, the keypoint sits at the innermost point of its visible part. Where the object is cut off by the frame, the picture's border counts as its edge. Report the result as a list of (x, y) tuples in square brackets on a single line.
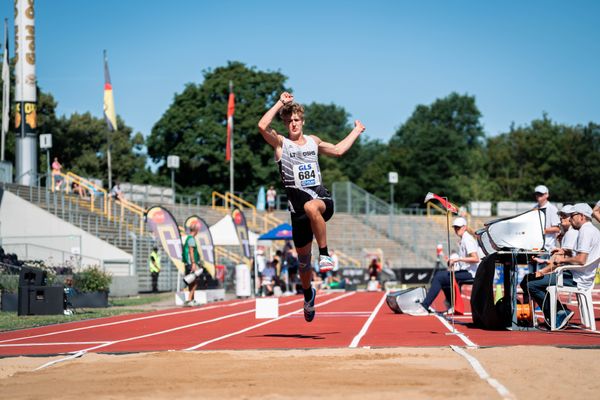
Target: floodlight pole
[(173, 184), (173, 164)]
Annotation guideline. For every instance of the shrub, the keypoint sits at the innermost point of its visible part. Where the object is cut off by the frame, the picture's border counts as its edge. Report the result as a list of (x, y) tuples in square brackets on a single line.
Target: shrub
[(92, 279), (9, 283)]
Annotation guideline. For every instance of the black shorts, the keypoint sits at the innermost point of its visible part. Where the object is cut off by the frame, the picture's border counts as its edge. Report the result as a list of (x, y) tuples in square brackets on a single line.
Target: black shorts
[(302, 231)]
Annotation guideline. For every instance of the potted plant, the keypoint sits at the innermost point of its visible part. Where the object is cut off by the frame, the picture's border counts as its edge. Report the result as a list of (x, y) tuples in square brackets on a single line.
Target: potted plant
[(9, 285), (91, 286)]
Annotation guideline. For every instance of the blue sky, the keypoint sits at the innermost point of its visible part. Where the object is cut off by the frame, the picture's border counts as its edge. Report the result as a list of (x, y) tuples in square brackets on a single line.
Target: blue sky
[(377, 59)]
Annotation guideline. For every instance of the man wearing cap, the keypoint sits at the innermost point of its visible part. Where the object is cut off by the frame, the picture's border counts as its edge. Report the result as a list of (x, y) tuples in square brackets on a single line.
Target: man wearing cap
[(587, 249), (566, 239), (551, 229), (465, 265)]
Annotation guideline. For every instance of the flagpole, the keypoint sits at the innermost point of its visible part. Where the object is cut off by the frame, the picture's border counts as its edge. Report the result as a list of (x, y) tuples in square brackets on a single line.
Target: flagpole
[(110, 116), (231, 147), (452, 277)]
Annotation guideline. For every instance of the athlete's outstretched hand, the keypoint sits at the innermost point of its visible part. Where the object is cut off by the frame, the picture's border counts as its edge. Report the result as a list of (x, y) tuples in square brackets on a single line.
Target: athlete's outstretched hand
[(286, 98), (358, 125)]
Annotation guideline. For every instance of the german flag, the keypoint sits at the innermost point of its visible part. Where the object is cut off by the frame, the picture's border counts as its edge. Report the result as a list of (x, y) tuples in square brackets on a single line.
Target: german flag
[(109, 101)]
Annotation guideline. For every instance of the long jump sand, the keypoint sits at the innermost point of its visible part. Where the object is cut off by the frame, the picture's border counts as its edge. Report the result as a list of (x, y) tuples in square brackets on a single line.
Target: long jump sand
[(416, 373)]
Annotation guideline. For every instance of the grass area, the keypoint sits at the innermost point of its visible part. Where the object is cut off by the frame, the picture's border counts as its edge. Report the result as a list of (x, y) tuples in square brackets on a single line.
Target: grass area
[(10, 320), (118, 305), (138, 300)]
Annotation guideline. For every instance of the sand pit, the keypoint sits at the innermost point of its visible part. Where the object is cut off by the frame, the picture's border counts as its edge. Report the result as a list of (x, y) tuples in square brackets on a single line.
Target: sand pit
[(416, 373)]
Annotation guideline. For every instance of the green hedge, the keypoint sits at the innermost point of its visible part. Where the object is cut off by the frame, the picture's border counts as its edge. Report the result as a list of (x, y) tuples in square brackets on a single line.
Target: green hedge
[(92, 279), (9, 283)]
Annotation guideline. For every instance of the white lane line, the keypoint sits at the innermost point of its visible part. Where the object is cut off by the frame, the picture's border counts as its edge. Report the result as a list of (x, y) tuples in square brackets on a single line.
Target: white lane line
[(127, 321), (461, 335), (265, 323), (500, 388), (365, 327), (72, 356), (49, 344), (106, 344)]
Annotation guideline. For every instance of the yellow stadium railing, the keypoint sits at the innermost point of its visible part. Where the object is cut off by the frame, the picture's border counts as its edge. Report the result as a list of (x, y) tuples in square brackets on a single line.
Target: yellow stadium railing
[(108, 205), (256, 221), (131, 207), (221, 252), (347, 260), (89, 186)]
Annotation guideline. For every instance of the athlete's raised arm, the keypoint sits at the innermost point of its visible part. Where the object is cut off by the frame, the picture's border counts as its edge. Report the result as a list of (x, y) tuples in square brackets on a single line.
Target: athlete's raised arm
[(264, 125), (336, 150)]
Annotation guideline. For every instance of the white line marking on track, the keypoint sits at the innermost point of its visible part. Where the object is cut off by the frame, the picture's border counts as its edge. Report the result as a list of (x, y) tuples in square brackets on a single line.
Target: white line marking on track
[(127, 321), (71, 357), (84, 351), (461, 335), (365, 327), (50, 344), (263, 323), (501, 389)]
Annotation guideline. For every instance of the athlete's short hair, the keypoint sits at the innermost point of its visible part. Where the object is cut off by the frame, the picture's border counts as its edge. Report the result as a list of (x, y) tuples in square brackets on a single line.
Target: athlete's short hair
[(291, 108)]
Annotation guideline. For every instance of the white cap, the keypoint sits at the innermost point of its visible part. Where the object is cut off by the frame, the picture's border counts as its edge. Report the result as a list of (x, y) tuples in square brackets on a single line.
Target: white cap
[(582, 208), (540, 189), (460, 221), (566, 210)]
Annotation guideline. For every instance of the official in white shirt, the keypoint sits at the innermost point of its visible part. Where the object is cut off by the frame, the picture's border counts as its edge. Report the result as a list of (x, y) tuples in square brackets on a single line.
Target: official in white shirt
[(465, 265), (587, 249)]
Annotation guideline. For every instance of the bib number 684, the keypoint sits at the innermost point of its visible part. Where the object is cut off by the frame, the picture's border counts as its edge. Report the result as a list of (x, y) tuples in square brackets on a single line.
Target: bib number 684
[(306, 174)]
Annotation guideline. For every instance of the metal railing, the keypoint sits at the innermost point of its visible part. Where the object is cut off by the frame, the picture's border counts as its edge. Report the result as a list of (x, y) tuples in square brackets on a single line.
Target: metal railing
[(379, 215), (256, 221)]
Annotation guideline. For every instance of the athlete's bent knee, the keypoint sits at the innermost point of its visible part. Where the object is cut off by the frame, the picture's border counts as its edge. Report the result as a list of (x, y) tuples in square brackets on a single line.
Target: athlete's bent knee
[(312, 208), (304, 262)]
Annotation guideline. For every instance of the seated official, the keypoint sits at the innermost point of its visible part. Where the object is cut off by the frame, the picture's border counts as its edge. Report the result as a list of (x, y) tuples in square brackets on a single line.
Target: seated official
[(465, 265), (567, 238), (269, 278), (587, 249)]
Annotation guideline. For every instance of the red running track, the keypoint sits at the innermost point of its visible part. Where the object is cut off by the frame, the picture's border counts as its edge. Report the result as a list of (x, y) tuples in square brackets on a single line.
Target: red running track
[(351, 319)]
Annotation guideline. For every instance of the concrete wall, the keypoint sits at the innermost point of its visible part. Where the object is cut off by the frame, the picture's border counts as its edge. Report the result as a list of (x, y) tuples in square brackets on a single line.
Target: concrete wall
[(23, 224), (124, 286)]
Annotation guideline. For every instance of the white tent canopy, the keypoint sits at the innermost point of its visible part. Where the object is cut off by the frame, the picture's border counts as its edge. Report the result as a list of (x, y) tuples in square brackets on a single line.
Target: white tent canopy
[(223, 233)]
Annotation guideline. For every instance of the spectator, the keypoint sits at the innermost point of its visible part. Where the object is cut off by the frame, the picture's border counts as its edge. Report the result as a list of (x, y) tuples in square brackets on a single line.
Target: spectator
[(76, 188), (57, 174), (116, 192), (271, 196), (465, 265), (335, 281), (154, 265), (291, 259), (261, 261), (587, 249), (551, 229), (278, 257), (268, 279), (374, 269)]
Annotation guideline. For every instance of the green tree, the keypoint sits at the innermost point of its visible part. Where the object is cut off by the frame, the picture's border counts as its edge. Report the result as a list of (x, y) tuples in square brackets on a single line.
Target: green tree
[(194, 128), (436, 150), (559, 156), (88, 157)]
